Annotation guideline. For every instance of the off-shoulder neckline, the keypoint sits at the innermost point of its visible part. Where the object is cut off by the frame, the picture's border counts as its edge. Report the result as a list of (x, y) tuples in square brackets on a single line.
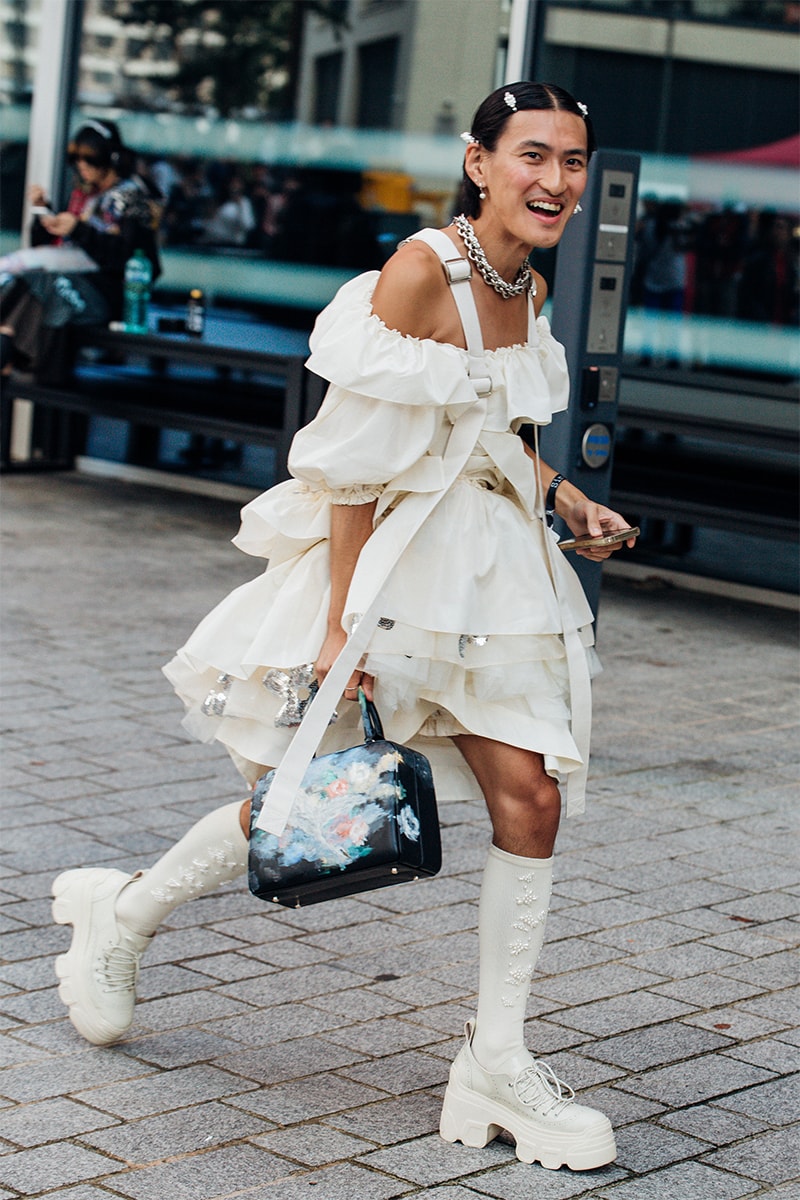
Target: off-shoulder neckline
[(498, 351)]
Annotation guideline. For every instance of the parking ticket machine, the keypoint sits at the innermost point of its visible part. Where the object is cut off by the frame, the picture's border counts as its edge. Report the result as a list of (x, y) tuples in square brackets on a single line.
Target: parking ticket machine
[(590, 298)]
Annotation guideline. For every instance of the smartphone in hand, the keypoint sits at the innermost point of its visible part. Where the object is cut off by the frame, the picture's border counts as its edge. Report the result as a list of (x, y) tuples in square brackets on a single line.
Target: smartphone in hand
[(605, 539)]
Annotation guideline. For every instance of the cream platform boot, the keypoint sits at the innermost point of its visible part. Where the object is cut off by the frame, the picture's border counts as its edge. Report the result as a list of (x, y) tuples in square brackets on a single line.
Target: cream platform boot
[(495, 1083), (114, 917)]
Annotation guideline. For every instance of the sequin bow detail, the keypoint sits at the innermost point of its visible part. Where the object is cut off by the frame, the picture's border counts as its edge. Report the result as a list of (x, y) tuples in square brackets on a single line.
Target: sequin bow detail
[(297, 686)]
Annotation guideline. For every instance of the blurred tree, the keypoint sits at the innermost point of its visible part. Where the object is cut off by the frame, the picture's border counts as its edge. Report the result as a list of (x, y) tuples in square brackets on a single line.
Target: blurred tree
[(235, 54)]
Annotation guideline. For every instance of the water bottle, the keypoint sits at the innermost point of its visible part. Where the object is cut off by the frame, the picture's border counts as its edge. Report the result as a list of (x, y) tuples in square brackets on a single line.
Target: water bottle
[(138, 277), (195, 313)]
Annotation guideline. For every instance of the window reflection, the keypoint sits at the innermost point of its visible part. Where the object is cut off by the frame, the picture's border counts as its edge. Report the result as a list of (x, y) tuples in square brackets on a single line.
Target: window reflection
[(344, 218), (19, 37), (706, 280), (770, 13), (279, 205), (724, 262)]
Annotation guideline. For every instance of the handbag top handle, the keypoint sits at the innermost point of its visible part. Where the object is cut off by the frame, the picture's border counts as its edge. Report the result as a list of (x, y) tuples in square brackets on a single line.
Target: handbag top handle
[(373, 729)]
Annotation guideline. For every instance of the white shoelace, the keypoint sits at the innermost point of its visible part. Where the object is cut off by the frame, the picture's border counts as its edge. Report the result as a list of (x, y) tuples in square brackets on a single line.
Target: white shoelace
[(531, 1082), (118, 969)]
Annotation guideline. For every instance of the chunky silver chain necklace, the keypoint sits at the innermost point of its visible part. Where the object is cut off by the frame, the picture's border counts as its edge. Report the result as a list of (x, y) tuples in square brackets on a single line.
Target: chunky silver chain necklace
[(523, 281)]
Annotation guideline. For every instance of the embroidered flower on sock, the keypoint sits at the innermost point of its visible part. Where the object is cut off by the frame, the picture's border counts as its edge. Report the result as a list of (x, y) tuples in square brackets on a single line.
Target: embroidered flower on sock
[(519, 975), (529, 921)]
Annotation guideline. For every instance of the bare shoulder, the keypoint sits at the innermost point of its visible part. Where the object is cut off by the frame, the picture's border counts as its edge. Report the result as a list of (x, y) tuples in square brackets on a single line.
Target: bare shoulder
[(412, 291), (541, 292)]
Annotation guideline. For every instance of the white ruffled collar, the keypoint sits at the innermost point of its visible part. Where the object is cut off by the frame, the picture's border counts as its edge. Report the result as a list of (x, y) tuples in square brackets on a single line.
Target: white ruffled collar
[(352, 347)]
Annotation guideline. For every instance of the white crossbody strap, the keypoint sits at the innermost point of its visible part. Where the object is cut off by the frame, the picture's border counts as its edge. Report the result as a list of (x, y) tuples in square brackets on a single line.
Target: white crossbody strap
[(386, 544), (458, 273)]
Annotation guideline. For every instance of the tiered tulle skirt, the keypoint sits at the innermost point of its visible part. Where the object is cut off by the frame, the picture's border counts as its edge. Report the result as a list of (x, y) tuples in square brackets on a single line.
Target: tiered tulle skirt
[(469, 642)]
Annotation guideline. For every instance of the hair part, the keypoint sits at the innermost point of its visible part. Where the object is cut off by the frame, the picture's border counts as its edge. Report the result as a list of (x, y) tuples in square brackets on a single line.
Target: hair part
[(493, 114)]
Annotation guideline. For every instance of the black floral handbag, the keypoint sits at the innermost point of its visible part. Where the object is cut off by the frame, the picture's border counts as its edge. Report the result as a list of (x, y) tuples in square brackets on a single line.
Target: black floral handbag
[(363, 818)]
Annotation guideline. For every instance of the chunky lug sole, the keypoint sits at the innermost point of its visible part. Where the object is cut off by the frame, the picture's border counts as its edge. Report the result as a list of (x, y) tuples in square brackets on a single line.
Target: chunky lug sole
[(94, 1029), (475, 1120), (68, 903)]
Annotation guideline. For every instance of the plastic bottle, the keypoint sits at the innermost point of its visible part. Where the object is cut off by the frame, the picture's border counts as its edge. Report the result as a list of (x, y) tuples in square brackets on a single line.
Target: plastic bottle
[(138, 278), (196, 313)]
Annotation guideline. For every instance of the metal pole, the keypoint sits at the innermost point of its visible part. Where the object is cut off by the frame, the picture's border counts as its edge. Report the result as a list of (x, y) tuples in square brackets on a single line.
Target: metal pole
[(53, 94), (519, 55), (667, 74)]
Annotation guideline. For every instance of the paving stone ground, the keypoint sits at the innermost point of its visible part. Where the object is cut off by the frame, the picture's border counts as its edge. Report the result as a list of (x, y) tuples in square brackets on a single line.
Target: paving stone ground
[(280, 1056)]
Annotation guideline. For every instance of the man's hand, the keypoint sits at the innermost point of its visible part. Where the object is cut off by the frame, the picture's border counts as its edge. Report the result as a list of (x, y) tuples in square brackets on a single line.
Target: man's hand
[(589, 519)]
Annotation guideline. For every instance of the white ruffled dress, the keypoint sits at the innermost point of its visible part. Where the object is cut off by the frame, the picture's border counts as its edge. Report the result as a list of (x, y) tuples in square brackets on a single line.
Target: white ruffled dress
[(477, 611)]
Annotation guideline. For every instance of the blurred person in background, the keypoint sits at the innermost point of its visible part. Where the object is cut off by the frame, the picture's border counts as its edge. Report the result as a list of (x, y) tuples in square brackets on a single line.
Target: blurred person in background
[(769, 284), (77, 276), (234, 220)]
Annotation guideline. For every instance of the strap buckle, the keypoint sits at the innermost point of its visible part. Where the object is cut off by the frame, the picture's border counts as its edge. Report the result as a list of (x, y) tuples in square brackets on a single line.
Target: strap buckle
[(457, 270), (482, 384)]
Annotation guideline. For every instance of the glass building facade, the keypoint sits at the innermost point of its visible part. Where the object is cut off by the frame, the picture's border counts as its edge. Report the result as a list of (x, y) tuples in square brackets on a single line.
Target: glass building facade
[(346, 139), (707, 92), (294, 146)]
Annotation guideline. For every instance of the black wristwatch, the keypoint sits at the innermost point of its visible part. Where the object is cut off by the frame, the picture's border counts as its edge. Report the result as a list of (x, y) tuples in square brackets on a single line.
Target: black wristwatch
[(550, 500)]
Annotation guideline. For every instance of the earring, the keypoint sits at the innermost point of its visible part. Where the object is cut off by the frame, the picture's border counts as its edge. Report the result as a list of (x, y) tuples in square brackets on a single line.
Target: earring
[(481, 194), (578, 208)]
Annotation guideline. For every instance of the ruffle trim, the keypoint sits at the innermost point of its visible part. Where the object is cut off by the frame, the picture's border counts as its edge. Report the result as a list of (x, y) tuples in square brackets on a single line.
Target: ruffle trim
[(416, 697), (354, 349), (283, 522), (358, 493)]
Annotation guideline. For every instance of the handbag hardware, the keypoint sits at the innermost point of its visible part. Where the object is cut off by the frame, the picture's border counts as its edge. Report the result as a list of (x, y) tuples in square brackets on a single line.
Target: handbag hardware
[(363, 818)]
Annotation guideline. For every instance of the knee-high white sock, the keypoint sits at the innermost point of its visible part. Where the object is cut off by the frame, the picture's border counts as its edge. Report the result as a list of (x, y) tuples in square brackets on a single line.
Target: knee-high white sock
[(213, 851), (515, 896)]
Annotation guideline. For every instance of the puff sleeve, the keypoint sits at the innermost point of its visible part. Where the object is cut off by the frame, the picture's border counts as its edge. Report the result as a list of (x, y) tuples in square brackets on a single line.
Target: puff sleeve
[(389, 395)]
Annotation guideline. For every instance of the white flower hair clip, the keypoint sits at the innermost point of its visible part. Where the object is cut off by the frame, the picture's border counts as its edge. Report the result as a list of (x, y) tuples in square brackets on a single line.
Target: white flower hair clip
[(583, 107), (511, 100), (469, 139)]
